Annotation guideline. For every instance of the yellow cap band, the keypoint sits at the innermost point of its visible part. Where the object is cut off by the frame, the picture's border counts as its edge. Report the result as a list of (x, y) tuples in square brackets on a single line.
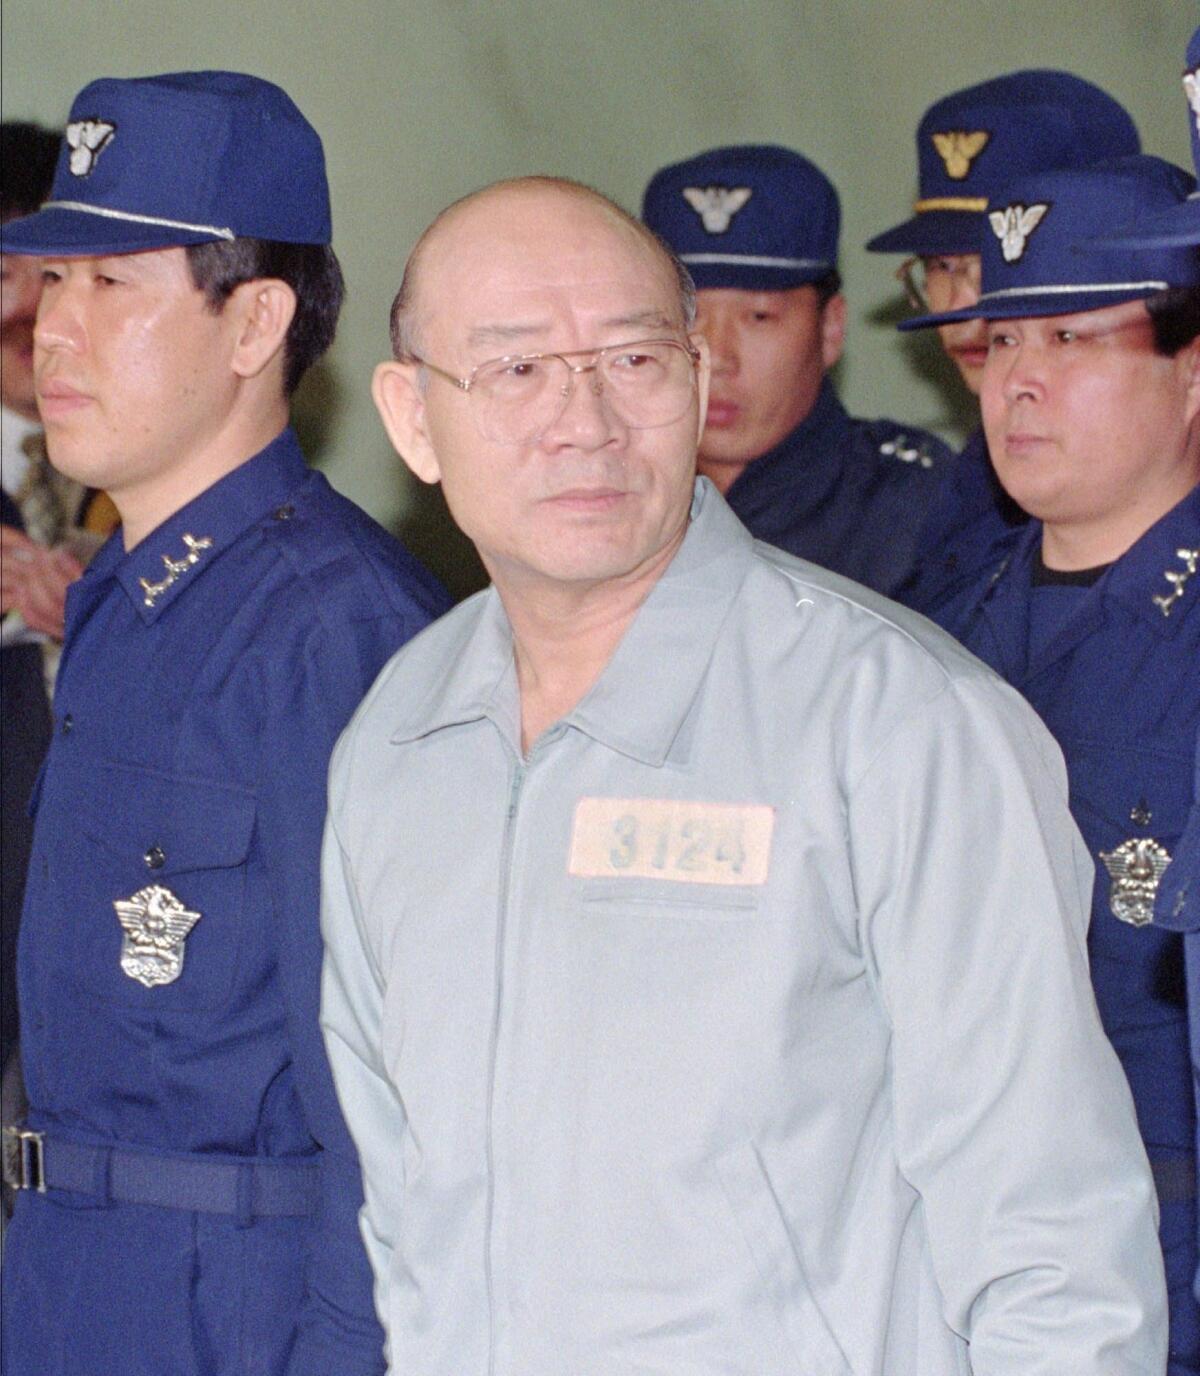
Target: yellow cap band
[(951, 203)]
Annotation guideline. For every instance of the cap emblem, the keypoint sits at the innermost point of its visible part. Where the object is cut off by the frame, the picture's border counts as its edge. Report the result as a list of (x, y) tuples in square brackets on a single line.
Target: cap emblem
[(959, 149), (716, 205), (87, 139), (1191, 84), (1013, 225)]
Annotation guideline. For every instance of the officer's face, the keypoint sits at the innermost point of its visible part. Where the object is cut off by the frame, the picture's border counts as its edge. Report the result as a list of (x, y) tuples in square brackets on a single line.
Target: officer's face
[(132, 370), (20, 287), (952, 283), (1089, 429), (590, 499), (770, 350)]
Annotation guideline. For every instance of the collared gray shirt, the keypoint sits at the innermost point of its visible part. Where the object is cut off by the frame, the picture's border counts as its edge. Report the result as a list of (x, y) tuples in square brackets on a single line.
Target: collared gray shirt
[(741, 1026)]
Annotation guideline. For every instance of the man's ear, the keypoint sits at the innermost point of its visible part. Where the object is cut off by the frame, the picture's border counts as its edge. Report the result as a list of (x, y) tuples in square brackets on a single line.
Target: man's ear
[(261, 312), (833, 330), (400, 400), (1189, 358)]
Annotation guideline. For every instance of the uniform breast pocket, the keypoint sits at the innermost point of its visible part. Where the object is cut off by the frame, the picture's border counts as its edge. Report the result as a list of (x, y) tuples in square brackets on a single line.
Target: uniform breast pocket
[(1132, 805), (645, 900), (158, 890)]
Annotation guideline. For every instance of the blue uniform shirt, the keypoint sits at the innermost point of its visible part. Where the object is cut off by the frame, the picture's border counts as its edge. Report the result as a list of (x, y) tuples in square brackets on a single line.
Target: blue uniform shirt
[(969, 520), (1178, 909), (1119, 688), (850, 495), (197, 706)]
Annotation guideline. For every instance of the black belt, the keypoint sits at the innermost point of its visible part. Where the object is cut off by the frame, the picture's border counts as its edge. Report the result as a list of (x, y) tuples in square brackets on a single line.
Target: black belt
[(260, 1187)]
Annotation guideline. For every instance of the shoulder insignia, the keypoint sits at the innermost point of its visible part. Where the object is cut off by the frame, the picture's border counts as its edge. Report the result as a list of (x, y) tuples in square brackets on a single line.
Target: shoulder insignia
[(1177, 579), (87, 139), (958, 149), (716, 205), (1013, 225), (175, 567), (1135, 867), (1191, 85)]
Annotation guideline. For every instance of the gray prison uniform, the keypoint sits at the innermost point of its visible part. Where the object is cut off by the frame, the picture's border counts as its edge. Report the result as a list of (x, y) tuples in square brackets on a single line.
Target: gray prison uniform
[(742, 1026)]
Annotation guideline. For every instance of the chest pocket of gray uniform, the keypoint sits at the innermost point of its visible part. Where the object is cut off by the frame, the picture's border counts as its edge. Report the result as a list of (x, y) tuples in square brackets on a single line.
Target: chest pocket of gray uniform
[(164, 848), (666, 900)]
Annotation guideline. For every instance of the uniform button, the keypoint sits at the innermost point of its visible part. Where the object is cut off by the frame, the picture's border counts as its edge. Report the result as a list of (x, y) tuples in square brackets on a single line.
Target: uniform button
[(155, 858), (285, 513), (68, 724)]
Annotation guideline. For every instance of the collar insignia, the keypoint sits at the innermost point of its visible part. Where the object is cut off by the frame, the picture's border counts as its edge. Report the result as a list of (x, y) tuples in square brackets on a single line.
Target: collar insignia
[(1191, 84), (87, 139), (155, 926), (899, 448), (716, 205), (1165, 601), (1135, 867), (1013, 225), (958, 150), (175, 567)]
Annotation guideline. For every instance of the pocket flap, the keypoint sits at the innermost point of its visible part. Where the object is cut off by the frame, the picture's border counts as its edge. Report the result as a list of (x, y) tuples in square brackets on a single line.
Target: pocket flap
[(169, 823)]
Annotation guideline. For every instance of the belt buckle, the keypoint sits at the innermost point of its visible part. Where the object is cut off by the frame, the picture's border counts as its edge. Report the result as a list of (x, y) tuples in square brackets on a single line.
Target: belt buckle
[(24, 1159)]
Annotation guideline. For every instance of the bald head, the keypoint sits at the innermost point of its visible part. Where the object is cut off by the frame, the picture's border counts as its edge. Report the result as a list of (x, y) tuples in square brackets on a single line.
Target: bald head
[(521, 215)]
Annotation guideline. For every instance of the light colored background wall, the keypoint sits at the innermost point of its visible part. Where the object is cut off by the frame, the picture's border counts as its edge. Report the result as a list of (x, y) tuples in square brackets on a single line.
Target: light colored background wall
[(419, 101)]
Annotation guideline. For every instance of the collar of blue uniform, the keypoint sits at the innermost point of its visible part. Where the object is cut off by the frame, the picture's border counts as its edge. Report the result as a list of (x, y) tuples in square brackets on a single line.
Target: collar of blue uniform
[(1139, 578), (798, 475), (642, 698), (175, 555)]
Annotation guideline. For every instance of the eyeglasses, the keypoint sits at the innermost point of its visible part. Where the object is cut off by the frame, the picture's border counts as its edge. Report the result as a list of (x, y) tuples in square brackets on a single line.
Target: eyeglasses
[(931, 283), (516, 399)]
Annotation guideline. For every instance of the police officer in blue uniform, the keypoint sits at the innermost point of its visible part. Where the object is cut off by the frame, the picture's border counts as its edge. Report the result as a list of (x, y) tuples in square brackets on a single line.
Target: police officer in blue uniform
[(969, 145), (757, 228), (1091, 405), (1177, 906), (188, 1194)]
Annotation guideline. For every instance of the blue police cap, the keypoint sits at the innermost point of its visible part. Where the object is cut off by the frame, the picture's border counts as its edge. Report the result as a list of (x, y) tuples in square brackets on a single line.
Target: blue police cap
[(975, 142), (755, 217), (1179, 224), (185, 158), (1040, 255)]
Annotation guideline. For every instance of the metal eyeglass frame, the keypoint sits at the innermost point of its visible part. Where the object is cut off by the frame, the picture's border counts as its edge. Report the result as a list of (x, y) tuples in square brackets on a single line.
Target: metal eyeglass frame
[(465, 384)]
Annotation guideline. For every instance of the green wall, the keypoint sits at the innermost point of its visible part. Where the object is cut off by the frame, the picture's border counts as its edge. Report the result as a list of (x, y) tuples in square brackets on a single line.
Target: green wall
[(420, 101)]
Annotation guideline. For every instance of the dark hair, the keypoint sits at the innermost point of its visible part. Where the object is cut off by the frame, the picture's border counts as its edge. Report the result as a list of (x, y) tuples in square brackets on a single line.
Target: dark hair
[(827, 287), (28, 154), (311, 270), (1174, 318)]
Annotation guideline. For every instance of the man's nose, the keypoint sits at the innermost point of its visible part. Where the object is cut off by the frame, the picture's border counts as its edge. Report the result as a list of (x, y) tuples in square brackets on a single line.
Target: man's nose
[(1022, 373), (587, 420), (59, 324), (964, 288), (722, 345)]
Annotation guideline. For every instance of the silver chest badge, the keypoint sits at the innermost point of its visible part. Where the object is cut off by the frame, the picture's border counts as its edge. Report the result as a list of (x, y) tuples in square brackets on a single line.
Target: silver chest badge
[(1136, 866), (156, 926)]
